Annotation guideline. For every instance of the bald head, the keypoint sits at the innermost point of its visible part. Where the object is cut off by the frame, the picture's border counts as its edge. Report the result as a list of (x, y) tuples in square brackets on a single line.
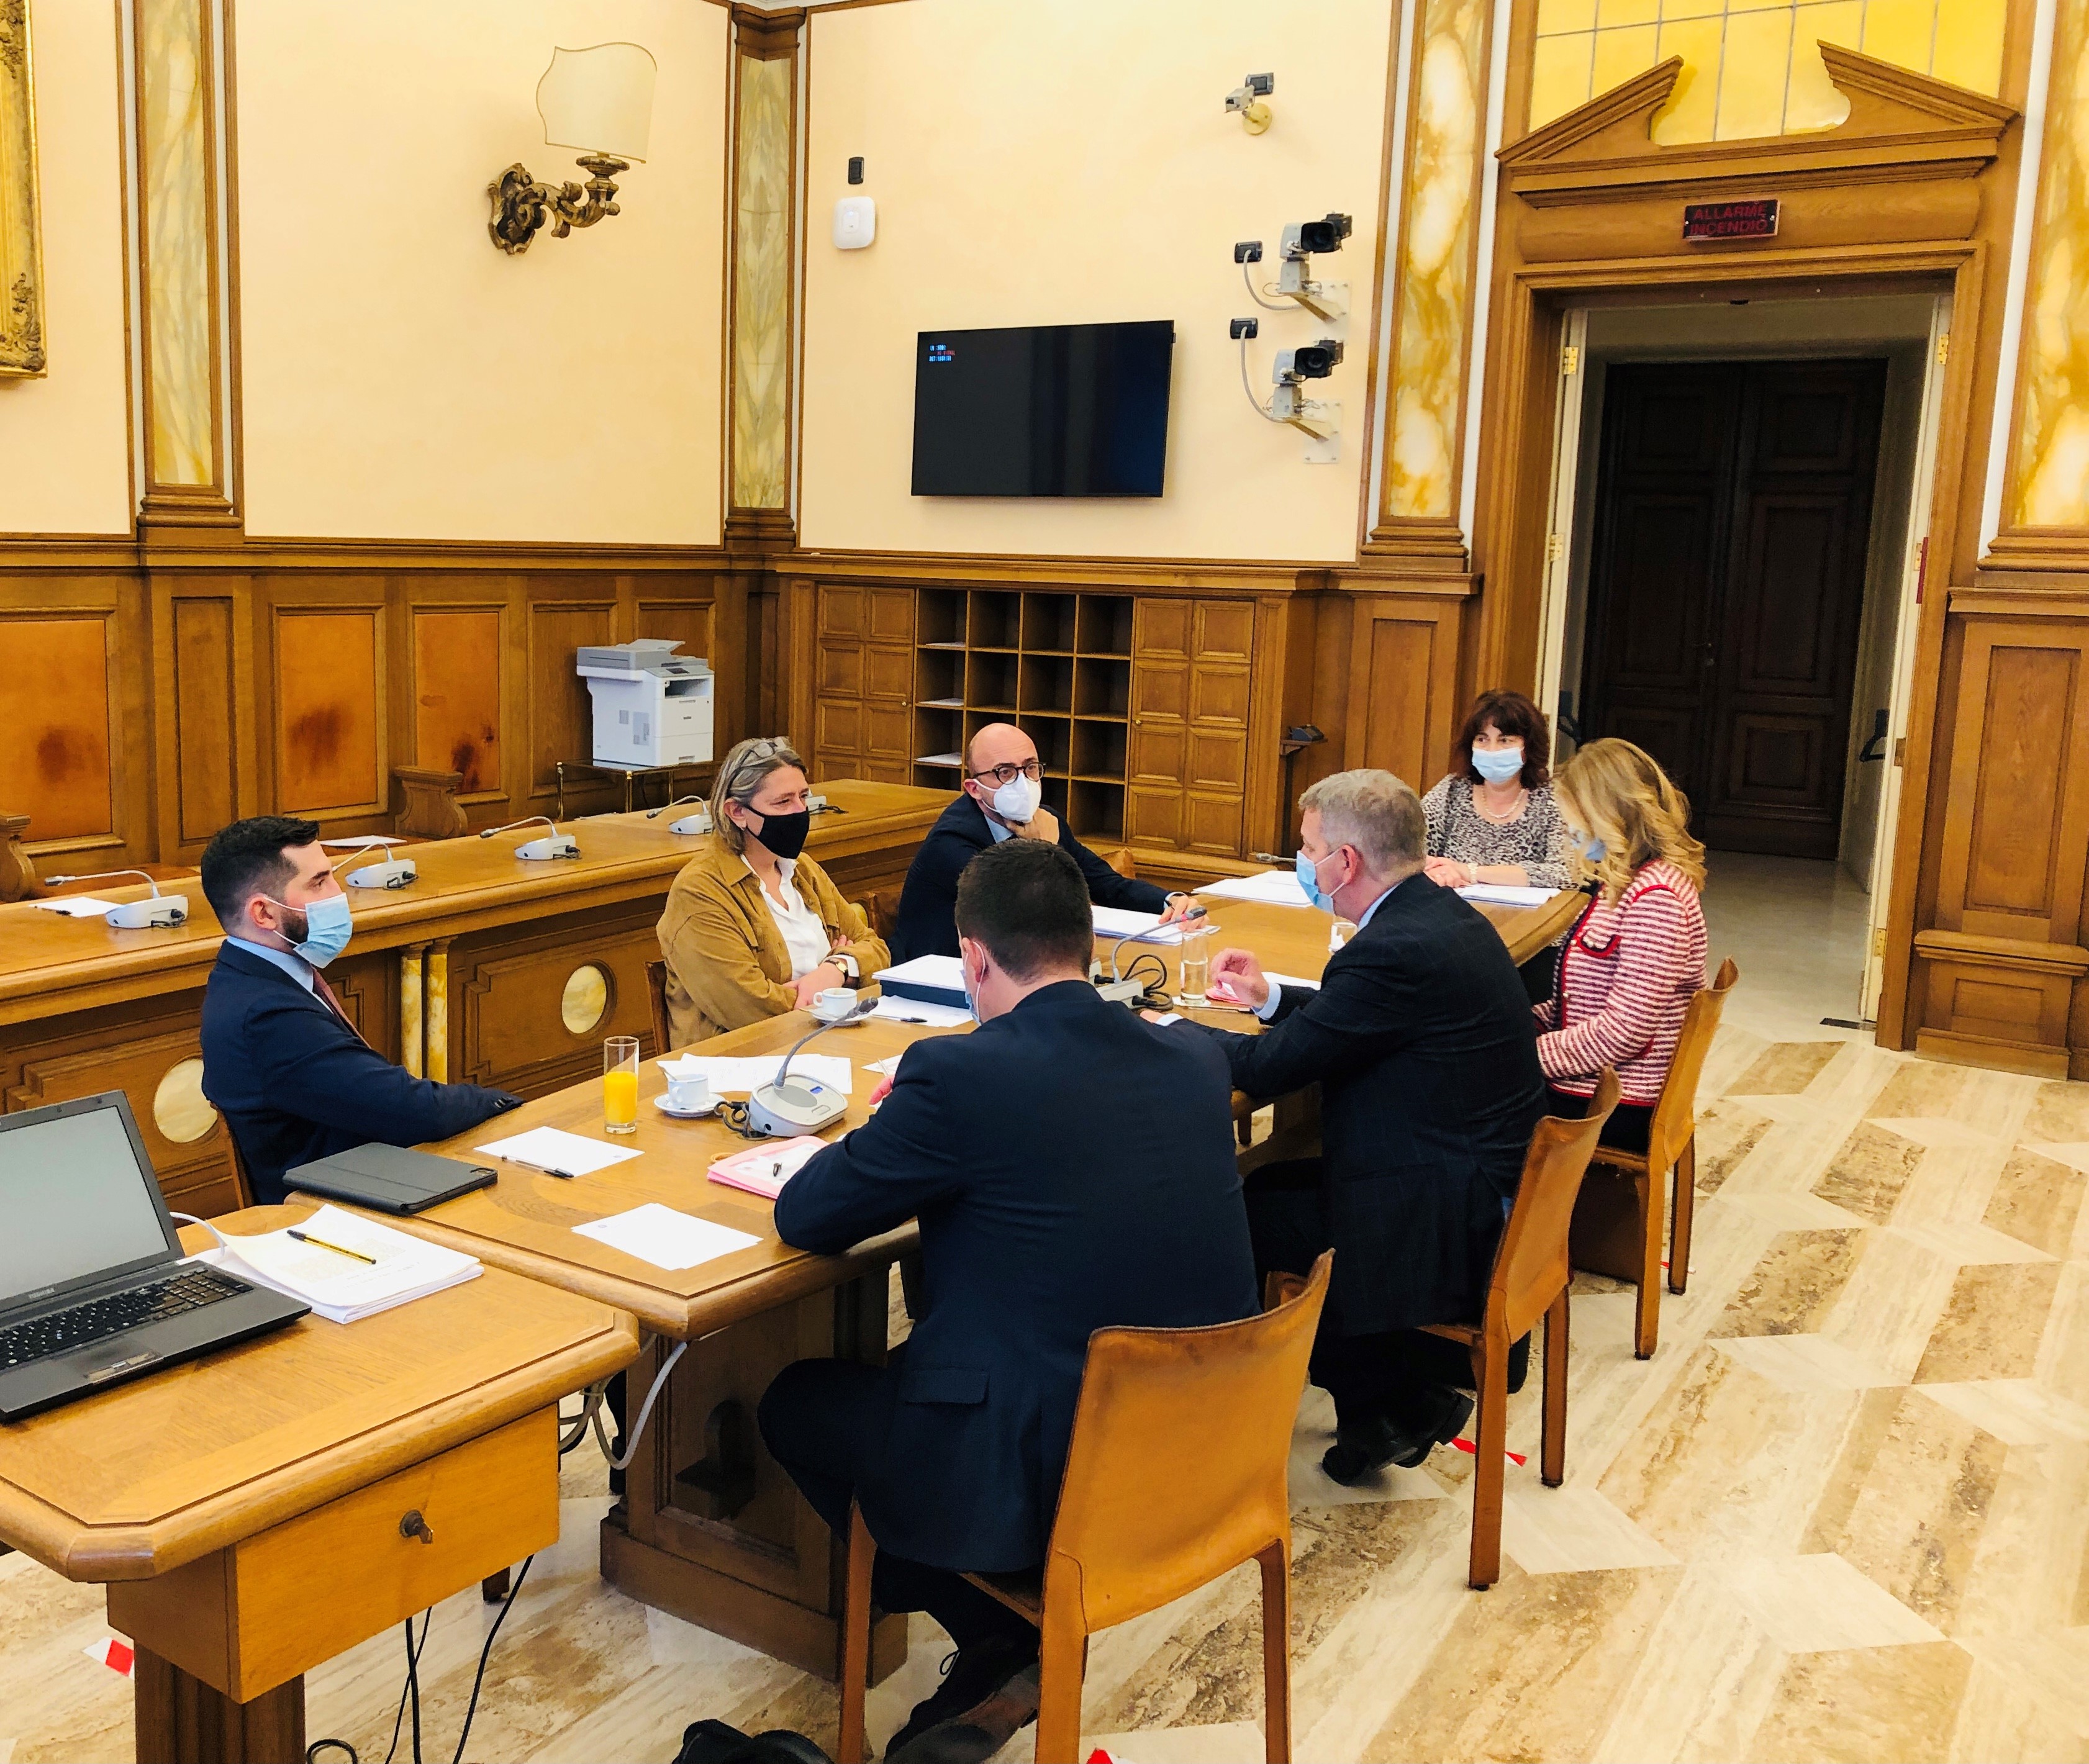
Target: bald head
[(997, 745)]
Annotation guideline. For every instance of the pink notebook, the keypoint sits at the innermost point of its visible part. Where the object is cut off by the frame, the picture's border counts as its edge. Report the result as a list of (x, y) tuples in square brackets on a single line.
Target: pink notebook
[(764, 1169)]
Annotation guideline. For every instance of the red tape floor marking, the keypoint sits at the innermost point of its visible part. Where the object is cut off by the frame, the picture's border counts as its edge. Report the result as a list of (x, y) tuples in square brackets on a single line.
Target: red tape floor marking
[(1471, 1450)]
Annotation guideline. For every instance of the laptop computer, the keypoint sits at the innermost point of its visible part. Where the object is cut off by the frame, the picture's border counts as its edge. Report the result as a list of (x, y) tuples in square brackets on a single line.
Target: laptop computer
[(93, 1291), (390, 1178)]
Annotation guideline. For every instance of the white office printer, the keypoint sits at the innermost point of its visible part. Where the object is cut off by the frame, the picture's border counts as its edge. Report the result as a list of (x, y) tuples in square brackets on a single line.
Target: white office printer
[(652, 707)]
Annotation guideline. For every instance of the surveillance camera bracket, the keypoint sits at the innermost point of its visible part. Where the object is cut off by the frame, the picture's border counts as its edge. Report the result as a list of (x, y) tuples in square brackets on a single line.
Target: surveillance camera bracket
[(1323, 300)]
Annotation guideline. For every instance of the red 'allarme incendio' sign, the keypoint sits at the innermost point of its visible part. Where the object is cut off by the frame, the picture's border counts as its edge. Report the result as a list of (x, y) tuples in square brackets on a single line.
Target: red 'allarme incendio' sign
[(1755, 220), (1730, 220)]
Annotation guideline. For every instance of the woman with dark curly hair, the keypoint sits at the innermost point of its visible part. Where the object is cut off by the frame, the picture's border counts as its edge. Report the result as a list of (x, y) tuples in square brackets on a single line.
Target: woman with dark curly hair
[(1492, 818)]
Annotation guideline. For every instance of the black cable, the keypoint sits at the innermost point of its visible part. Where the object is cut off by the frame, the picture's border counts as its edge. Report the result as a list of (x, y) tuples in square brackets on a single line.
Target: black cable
[(506, 1605), (399, 1718), (317, 1745)]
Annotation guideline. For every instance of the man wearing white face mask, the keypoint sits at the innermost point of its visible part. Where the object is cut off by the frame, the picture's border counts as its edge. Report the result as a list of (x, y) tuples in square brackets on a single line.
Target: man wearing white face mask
[(1003, 800), (293, 1076)]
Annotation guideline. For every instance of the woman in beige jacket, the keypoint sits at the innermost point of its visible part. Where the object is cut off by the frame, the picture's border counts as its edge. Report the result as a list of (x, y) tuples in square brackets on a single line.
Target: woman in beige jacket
[(753, 928)]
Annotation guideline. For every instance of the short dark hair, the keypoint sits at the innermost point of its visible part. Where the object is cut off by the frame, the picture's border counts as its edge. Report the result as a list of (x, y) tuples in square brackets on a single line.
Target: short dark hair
[(1512, 714), (246, 859), (1027, 902)]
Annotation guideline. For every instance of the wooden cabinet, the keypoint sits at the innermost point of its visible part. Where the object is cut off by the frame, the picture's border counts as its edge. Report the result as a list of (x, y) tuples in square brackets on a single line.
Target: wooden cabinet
[(1189, 738)]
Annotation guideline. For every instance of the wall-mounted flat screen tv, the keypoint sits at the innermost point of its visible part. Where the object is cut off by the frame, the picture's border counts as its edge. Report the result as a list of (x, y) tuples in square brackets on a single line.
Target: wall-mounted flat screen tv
[(1042, 410)]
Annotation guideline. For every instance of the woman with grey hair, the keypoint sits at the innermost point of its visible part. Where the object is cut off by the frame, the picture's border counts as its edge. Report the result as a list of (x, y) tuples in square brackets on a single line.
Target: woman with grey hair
[(754, 928)]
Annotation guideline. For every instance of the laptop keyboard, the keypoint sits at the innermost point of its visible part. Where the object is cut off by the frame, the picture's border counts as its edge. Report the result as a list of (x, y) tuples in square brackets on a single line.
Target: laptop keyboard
[(62, 1331)]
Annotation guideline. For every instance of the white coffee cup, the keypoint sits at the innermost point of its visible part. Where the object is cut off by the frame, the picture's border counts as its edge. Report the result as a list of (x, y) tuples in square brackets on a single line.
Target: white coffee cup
[(689, 1095), (832, 1005)]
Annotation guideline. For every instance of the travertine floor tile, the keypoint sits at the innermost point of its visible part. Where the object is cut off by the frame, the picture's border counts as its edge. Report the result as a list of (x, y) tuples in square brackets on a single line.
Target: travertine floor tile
[(1809, 1603), (1870, 1706), (1567, 1529)]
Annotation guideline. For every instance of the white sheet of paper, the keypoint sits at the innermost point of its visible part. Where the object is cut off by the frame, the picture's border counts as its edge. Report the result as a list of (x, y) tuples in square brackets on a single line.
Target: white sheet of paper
[(947, 973), (1121, 921), (1505, 894), (1291, 980), (898, 1010), (1275, 888), (885, 1069), (76, 906), (359, 842), (726, 1073), (551, 1148), (665, 1239)]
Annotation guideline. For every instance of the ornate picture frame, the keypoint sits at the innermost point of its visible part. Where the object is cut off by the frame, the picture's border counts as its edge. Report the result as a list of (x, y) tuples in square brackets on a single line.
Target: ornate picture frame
[(21, 243)]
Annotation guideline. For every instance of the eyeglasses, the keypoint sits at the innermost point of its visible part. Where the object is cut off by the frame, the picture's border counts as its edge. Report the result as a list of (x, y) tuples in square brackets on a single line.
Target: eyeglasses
[(1006, 772), (758, 752)]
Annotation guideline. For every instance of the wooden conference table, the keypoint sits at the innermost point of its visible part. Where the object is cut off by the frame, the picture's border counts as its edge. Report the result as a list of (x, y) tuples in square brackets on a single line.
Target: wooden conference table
[(710, 1528), (245, 1509), (488, 967)]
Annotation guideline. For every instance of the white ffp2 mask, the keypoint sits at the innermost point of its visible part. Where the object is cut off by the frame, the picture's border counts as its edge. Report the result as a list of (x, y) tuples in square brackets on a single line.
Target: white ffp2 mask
[(1017, 800)]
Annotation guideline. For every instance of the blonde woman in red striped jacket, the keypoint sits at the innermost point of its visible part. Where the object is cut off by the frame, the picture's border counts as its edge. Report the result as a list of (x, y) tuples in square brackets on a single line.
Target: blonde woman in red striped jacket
[(1638, 952)]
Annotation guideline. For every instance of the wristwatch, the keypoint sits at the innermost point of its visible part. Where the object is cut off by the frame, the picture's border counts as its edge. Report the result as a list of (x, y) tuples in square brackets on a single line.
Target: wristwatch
[(842, 959)]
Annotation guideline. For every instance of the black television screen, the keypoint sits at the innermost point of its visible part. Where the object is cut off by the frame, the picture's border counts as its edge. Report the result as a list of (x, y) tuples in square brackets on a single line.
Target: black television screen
[(1042, 410)]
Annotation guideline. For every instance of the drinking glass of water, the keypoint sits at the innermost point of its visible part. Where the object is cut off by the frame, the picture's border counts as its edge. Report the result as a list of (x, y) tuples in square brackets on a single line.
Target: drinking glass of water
[(1196, 973)]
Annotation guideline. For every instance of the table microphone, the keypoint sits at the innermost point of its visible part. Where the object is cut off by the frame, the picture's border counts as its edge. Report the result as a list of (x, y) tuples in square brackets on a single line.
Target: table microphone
[(554, 844), (781, 1109)]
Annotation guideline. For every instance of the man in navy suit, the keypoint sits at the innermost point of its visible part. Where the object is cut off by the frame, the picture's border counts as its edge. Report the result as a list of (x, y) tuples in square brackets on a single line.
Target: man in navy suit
[(1072, 1168), (1002, 799), (288, 1072), (1421, 1040)]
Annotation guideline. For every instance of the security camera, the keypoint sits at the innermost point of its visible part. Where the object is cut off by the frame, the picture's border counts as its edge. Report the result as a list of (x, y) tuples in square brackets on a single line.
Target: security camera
[(1245, 101), (1311, 360), (1302, 238)]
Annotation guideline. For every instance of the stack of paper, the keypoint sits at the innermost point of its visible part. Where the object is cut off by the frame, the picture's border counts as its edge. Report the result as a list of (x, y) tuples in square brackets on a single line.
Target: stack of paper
[(1505, 894), (1275, 887), (920, 1011), (728, 1074), (936, 980), (1136, 927), (339, 1287)]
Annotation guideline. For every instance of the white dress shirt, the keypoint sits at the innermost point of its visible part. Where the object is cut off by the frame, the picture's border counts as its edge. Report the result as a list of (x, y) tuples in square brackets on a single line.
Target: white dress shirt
[(804, 937), (295, 966)]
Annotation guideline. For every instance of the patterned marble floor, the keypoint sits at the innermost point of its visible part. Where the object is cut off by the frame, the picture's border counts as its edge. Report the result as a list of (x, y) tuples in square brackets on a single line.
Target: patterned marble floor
[(1842, 1513)]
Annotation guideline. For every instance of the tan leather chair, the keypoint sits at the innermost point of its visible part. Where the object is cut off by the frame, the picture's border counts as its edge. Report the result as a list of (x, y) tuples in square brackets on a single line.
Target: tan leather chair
[(656, 995), (1120, 860), (1671, 1144), (1177, 1474), (1531, 1275)]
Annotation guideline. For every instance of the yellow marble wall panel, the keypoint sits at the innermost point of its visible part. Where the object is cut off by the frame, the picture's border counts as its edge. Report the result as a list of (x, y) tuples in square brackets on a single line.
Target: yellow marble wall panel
[(761, 288), (175, 145), (1693, 106), (2053, 435), (1436, 261), (1752, 67)]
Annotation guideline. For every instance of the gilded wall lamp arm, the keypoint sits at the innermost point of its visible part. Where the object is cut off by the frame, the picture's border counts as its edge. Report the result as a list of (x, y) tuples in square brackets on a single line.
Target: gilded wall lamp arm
[(521, 204)]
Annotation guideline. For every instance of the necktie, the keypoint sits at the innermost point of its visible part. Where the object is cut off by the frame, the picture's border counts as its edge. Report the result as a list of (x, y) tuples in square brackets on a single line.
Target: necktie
[(327, 992)]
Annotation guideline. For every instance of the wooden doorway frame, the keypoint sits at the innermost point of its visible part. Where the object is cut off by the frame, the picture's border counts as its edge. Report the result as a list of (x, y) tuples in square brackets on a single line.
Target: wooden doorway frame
[(1914, 193)]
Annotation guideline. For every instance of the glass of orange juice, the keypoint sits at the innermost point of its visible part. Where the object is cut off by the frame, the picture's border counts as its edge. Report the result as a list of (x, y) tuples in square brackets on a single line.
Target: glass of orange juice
[(619, 1084)]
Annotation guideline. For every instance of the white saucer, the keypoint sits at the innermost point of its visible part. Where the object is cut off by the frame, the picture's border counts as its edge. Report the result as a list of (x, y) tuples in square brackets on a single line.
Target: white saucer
[(660, 1102)]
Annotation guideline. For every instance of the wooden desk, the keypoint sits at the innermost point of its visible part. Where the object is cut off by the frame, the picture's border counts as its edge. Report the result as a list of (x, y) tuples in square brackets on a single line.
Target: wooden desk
[(710, 1528), (487, 968), (222, 1500)]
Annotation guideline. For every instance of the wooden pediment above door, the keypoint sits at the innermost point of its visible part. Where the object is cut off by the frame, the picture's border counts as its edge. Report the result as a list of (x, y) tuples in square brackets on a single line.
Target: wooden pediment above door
[(1902, 125)]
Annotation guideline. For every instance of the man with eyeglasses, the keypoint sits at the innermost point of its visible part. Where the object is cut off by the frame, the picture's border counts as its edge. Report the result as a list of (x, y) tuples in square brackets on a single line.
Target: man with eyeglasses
[(1003, 800)]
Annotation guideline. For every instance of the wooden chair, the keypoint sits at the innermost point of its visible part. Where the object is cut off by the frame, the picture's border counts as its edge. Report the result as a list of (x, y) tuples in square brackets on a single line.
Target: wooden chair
[(656, 995), (1177, 1474), (1630, 1248), (1531, 1275), (243, 1184)]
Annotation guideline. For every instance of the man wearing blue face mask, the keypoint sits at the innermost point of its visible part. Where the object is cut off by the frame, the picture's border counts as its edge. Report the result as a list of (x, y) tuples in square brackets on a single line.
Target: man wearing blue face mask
[(1003, 799), (292, 1076)]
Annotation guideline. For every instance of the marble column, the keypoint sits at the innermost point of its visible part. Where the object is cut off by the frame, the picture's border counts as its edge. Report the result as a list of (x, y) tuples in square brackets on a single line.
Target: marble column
[(1433, 269), (764, 200), (184, 477)]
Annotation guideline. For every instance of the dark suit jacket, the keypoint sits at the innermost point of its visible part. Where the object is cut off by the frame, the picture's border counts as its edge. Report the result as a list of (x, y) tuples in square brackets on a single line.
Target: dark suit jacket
[(928, 903), (294, 1082), (1072, 1168), (1423, 1045)]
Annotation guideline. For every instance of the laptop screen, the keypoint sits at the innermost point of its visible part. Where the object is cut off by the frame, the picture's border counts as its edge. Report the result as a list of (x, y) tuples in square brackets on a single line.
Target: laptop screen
[(75, 1199)]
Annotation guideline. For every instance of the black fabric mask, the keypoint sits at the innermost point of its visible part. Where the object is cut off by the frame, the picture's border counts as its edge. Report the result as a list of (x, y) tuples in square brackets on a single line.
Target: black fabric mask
[(785, 834)]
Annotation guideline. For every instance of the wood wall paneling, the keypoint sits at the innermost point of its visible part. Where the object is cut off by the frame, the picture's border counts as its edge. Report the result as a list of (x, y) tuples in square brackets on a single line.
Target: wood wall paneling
[(1404, 701), (860, 718), (506, 1028), (561, 723), (1185, 782), (55, 730), (330, 750), (457, 695), (207, 716)]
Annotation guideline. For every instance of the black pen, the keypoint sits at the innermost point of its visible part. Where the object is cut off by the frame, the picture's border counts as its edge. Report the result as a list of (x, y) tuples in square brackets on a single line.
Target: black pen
[(544, 1170)]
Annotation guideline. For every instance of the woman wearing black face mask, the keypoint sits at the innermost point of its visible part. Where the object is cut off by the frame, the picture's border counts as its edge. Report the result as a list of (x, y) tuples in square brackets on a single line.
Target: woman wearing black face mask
[(754, 928)]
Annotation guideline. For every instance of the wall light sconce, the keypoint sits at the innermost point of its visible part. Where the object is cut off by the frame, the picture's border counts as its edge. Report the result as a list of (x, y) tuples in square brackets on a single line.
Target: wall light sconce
[(598, 100)]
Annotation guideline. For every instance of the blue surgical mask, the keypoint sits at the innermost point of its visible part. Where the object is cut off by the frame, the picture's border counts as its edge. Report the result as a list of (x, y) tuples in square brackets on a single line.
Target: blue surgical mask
[(1309, 879), (327, 925), (1593, 849), (1498, 765), (965, 980)]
